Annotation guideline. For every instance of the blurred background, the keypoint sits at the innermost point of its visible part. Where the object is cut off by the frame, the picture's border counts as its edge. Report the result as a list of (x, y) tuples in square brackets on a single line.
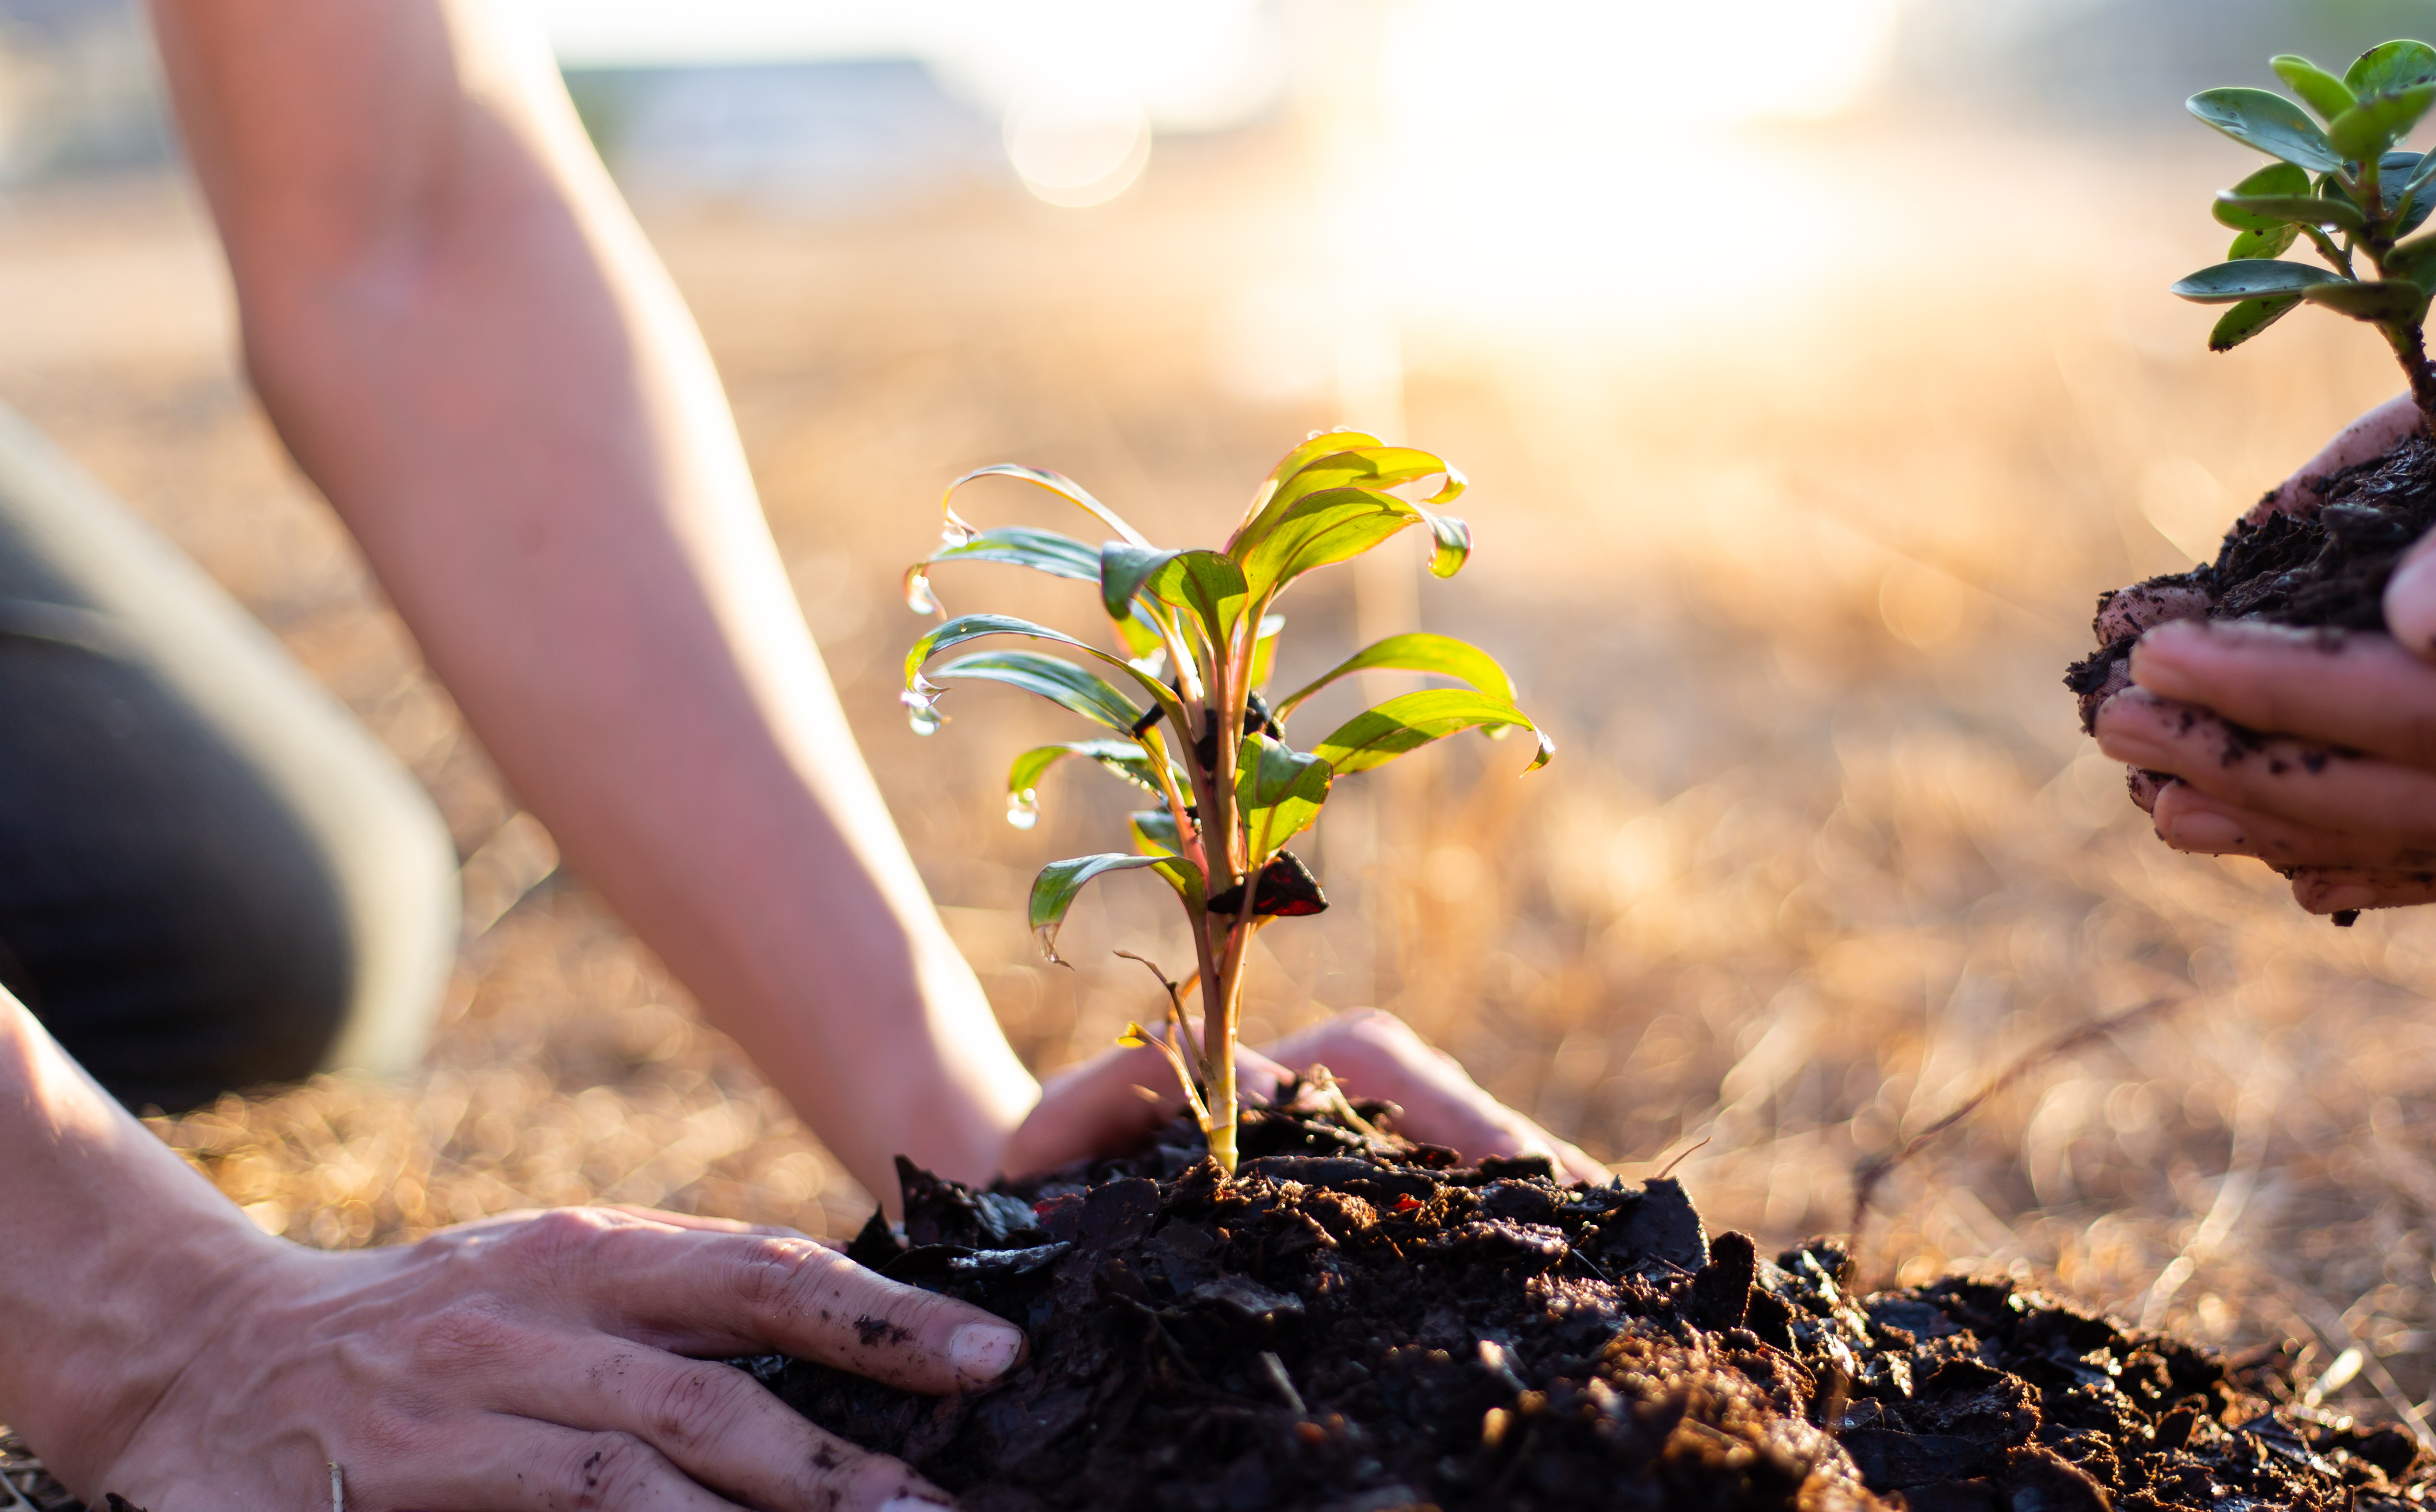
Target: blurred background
[(1814, 369)]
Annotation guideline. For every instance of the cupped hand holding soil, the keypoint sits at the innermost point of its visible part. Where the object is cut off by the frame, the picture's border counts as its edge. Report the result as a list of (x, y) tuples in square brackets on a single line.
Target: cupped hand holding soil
[(2341, 795)]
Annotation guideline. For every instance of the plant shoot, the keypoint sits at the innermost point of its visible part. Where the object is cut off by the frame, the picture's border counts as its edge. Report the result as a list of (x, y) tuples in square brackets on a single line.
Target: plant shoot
[(2338, 181), (1188, 717)]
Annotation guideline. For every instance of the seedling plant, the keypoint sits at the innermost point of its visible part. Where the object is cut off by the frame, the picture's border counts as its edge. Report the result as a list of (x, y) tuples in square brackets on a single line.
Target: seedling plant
[(2340, 181), (1188, 719)]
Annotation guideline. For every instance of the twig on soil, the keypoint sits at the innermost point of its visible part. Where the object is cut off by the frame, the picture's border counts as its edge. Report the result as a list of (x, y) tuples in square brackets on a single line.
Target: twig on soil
[(2332, 1332), (1867, 1179), (1669, 1169), (1275, 1370)]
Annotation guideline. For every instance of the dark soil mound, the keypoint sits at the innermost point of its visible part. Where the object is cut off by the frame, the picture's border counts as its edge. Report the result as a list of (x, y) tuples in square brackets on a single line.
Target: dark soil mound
[(1353, 1323), (2326, 565)]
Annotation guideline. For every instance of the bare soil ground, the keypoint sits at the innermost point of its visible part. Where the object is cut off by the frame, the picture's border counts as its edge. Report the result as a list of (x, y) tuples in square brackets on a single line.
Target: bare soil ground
[(1787, 572)]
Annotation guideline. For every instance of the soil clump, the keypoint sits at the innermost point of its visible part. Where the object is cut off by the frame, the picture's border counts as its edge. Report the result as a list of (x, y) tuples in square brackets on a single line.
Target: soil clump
[(1353, 1323), (2323, 565)]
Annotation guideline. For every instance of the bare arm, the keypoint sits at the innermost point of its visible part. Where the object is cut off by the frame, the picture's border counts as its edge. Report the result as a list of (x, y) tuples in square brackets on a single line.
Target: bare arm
[(465, 341)]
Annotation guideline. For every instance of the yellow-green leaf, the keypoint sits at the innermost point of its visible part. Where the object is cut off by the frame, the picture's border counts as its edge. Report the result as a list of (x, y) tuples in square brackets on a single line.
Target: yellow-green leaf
[(1417, 652), (1378, 736)]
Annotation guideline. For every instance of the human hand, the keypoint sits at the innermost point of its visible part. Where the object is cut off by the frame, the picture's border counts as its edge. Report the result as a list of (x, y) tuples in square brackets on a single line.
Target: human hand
[(553, 1360), (1118, 1097), (2342, 798)]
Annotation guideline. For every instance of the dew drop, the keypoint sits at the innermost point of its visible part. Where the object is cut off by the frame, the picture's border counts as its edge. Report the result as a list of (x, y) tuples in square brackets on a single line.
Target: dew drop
[(918, 596), (1023, 809), (921, 706), (956, 532)]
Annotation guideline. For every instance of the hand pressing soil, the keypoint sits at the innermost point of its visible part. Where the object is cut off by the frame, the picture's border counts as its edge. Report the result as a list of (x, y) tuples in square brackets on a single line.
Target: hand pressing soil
[(1354, 1323)]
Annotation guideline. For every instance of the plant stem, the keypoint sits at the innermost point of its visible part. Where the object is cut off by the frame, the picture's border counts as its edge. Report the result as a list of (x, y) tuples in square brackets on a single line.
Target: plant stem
[(2410, 349), (1225, 1109)]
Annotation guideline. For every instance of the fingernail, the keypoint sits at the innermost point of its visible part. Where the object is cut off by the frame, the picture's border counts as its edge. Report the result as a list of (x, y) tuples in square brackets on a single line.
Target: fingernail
[(2346, 898), (910, 1503), (2210, 834), (983, 1352), (2410, 603)]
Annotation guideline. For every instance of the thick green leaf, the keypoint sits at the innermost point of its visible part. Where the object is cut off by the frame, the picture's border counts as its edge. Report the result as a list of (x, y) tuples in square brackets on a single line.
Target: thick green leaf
[(1057, 483), (1379, 736), (2249, 278), (1060, 882), (2414, 260), (2273, 242), (1054, 678), (1416, 653), (1205, 583), (2277, 179), (2372, 299), (1378, 467), (1278, 790), (1319, 444), (2323, 92), (1264, 649), (2269, 122), (2249, 317), (1123, 758), (919, 695), (2378, 121), (2257, 212), (2391, 67)]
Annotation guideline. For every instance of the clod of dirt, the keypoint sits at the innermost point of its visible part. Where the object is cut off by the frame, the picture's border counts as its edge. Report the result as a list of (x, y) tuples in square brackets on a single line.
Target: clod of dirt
[(2323, 565), (1354, 1325)]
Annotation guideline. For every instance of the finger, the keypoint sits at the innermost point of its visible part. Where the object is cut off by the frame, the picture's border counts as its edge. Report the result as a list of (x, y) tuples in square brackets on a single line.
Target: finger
[(2188, 820), (2346, 890), (713, 1295), (700, 1224), (1113, 1102), (712, 1421), (2352, 688), (2372, 435), (1377, 1054), (2307, 783), (2130, 611), (511, 1464), (2410, 599), (2146, 786)]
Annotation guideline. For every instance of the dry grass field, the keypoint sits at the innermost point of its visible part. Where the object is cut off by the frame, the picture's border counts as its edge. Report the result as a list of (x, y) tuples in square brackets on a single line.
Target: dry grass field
[(1788, 546)]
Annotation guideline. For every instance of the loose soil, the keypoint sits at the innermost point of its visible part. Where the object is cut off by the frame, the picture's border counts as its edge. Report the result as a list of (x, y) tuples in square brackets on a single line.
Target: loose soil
[(2325, 566), (1353, 1323)]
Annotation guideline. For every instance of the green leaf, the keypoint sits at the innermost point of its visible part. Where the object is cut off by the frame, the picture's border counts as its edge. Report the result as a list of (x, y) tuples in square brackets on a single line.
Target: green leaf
[(2248, 278), (2378, 121), (1321, 444), (2414, 260), (1054, 678), (2249, 317), (1264, 648), (1060, 882), (1379, 736), (2391, 67), (1155, 832), (1338, 524), (2273, 242), (2275, 178), (1376, 467), (1205, 583), (920, 694), (1124, 757), (2269, 122), (1278, 790), (2323, 92), (1416, 653), (2257, 212), (2372, 299), (1057, 483)]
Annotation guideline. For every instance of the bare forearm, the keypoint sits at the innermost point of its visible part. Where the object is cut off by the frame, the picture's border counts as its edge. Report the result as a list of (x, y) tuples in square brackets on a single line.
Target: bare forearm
[(487, 371)]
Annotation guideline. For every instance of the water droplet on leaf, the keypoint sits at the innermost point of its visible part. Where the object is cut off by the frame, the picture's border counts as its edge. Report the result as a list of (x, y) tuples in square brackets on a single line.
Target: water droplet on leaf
[(918, 596), (921, 706), (1022, 808)]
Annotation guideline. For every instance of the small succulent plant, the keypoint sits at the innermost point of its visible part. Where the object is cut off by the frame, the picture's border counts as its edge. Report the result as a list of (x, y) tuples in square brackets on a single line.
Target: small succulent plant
[(2344, 187), (1187, 720)]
